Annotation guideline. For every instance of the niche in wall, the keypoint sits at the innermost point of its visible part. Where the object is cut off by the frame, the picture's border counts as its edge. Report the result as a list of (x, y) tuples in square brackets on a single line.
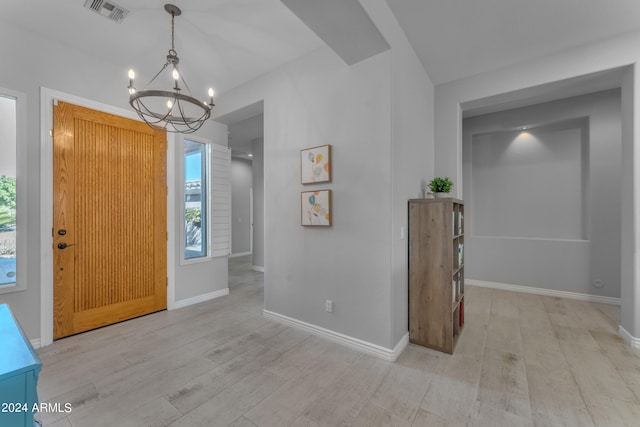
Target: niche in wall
[(532, 182)]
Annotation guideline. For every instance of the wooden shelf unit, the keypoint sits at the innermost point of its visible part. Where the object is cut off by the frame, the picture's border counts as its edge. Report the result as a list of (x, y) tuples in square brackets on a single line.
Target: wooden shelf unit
[(436, 272)]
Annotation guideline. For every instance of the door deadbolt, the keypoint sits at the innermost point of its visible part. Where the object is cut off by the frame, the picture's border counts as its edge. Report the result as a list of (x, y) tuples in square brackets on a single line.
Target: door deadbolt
[(62, 232)]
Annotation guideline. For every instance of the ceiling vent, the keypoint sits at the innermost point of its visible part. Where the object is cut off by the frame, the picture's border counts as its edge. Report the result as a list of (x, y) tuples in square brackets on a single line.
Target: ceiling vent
[(107, 9)]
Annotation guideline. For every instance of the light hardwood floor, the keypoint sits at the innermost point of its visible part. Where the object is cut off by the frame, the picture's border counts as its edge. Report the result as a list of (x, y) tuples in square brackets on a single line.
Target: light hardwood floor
[(522, 360)]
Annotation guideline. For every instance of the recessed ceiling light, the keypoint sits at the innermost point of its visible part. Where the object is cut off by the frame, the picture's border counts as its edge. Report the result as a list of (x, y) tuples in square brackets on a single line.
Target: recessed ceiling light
[(250, 155)]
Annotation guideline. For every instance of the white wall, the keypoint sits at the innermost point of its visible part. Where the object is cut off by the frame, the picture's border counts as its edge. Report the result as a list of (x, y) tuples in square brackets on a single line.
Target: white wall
[(630, 290), (241, 182), (77, 74), (314, 101), (8, 134), (26, 72), (382, 154), (528, 184), (561, 234), (612, 53), (411, 150), (257, 260)]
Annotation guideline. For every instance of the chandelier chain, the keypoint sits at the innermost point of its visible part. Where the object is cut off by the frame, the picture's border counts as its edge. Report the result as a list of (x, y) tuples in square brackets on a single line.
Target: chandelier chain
[(173, 15)]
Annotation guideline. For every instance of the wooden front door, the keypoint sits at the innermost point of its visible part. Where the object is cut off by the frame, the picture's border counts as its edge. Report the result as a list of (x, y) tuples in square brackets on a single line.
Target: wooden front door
[(109, 219)]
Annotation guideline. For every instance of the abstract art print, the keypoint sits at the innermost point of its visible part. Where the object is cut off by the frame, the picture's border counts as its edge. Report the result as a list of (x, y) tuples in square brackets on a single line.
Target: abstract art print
[(315, 208), (315, 164)]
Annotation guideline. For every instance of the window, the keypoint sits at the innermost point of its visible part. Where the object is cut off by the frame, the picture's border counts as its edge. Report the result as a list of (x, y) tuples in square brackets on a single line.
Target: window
[(8, 207), (196, 167), (206, 208)]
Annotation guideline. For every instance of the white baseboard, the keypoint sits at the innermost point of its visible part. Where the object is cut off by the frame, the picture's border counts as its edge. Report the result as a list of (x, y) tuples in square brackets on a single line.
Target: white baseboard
[(239, 254), (545, 292), (35, 343), (200, 298), (630, 339), (355, 343), (257, 268), (399, 348)]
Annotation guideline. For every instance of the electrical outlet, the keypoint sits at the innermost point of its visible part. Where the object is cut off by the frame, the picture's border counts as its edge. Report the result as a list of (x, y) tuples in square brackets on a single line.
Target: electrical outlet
[(328, 306)]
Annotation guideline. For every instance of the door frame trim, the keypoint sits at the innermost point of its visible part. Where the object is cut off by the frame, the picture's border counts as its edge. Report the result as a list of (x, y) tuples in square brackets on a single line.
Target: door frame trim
[(48, 97)]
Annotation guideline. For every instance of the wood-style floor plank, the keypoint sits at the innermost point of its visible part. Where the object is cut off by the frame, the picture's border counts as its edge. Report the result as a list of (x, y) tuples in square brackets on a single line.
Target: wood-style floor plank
[(486, 415), (242, 422), (596, 375), (401, 391), (196, 391), (63, 422), (453, 393), (503, 382), (427, 419), (521, 360), (555, 398), (373, 415), (503, 333), (343, 400), (224, 408), (292, 399)]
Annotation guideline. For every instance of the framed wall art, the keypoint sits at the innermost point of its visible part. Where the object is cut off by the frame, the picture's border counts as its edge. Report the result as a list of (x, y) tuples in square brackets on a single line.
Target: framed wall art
[(315, 208), (315, 164)]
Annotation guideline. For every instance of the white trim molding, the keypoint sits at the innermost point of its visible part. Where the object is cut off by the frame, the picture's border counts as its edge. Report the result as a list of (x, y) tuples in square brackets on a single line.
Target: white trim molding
[(200, 298), (257, 268), (630, 339), (366, 347), (22, 172), (35, 343), (239, 254), (543, 291)]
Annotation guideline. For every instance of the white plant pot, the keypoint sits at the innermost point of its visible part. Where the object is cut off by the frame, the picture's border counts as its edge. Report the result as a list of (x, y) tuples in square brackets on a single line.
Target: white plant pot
[(441, 195)]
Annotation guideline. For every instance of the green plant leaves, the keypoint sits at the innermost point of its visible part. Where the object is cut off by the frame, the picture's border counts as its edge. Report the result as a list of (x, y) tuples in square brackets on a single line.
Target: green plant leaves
[(440, 185)]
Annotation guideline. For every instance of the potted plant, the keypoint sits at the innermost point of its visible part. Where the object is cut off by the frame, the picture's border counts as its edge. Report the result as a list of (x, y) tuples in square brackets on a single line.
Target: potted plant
[(440, 187)]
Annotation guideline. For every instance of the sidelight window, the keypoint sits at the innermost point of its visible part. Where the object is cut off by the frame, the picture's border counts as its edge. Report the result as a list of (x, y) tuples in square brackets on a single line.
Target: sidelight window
[(196, 200), (8, 192)]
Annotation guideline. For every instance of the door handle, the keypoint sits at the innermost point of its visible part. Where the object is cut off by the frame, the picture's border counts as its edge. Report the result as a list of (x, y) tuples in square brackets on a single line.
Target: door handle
[(64, 245)]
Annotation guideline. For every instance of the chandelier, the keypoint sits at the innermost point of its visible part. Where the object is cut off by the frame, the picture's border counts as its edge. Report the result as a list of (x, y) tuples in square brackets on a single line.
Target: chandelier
[(172, 110)]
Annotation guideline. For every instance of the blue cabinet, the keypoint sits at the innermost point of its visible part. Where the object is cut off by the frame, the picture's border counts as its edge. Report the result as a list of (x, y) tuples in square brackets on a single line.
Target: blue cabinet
[(19, 369)]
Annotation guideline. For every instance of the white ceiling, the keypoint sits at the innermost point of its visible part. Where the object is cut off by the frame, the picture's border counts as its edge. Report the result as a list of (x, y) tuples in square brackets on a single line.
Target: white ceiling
[(221, 43), (225, 43), (461, 38)]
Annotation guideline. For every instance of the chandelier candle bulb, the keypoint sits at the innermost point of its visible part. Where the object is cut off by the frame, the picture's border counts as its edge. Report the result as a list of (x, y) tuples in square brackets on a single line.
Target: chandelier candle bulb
[(132, 75), (175, 74)]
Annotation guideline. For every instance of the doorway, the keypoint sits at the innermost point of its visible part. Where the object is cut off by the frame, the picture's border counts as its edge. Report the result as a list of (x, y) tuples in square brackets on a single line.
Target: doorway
[(246, 131), (109, 219)]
